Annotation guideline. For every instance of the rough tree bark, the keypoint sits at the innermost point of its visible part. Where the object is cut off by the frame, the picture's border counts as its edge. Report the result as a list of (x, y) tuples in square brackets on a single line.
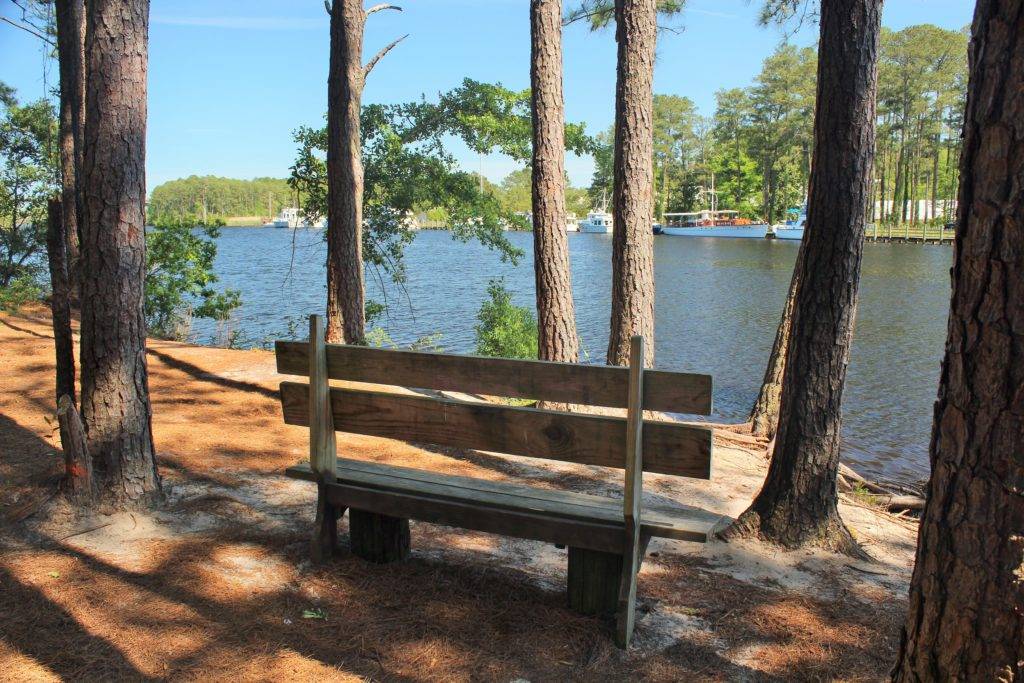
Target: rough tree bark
[(797, 504), (556, 315), (115, 385), (346, 315), (345, 288), (60, 302), (764, 416), (70, 20), (633, 238), (966, 615)]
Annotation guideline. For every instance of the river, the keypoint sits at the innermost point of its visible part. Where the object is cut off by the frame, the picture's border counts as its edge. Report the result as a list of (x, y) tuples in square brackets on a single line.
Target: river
[(717, 307)]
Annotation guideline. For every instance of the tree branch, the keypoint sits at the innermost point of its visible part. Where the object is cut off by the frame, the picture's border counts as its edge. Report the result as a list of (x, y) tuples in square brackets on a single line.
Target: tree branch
[(377, 57), (29, 29), (382, 6)]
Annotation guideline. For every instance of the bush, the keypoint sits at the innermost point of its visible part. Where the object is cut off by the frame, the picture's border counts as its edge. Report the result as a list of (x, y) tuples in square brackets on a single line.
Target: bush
[(180, 277), (22, 289), (505, 330)]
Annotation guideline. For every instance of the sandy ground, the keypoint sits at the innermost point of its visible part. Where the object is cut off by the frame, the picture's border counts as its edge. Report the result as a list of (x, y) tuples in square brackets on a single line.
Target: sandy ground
[(216, 583)]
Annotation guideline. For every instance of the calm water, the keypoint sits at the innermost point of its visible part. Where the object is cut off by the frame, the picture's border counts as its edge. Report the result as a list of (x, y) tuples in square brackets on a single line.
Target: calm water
[(718, 304)]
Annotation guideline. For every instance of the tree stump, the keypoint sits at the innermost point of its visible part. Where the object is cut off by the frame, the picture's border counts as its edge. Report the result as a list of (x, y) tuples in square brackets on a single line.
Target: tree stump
[(378, 538), (77, 463), (594, 578)]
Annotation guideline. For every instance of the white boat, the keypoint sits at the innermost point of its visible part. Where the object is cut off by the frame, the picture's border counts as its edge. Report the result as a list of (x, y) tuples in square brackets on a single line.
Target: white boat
[(572, 224), (790, 230), (711, 223), (288, 218), (597, 222)]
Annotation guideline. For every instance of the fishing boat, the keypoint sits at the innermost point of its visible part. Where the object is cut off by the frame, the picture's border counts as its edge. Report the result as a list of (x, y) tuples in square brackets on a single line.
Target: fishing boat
[(599, 220), (711, 223), (793, 228), (288, 218)]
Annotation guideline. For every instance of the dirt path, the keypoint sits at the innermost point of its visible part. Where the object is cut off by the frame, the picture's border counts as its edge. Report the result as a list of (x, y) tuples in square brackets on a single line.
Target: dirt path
[(216, 584)]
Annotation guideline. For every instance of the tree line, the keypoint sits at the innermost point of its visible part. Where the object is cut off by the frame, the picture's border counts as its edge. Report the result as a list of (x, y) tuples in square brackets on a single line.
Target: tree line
[(216, 197), (964, 621), (758, 144)]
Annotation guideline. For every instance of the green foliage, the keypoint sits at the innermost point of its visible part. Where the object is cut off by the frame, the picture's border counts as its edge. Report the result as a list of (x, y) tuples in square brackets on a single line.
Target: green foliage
[(223, 197), (180, 279), (599, 14), (505, 330), (409, 170), (28, 177), (24, 288)]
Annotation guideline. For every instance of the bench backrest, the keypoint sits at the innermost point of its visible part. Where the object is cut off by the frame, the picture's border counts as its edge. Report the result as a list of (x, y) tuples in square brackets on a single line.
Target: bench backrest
[(666, 447)]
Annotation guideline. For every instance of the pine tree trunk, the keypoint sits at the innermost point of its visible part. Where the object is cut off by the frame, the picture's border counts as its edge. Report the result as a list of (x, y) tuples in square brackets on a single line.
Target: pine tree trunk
[(60, 301), (556, 316), (797, 504), (966, 616), (633, 238), (70, 20), (115, 385), (764, 417), (345, 293)]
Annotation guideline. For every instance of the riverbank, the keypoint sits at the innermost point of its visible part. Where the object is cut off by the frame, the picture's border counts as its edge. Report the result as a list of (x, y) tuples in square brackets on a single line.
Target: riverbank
[(216, 583)]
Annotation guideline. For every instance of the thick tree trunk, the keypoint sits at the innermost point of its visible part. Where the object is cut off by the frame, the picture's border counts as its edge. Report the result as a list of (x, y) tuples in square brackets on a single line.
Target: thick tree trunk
[(70, 19), (115, 385), (556, 315), (764, 417), (345, 294), (966, 616), (797, 504), (633, 238), (60, 301)]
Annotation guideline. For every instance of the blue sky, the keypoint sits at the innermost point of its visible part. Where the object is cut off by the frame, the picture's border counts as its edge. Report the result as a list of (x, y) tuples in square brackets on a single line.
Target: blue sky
[(230, 80)]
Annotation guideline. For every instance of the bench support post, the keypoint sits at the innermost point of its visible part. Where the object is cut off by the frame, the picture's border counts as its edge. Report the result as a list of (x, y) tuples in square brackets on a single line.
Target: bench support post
[(323, 450), (378, 538), (633, 546), (594, 579)]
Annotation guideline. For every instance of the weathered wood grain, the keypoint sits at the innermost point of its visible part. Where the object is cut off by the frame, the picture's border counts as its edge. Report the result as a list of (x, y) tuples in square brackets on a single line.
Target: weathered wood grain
[(594, 535), (632, 498), (684, 524), (596, 385), (672, 448)]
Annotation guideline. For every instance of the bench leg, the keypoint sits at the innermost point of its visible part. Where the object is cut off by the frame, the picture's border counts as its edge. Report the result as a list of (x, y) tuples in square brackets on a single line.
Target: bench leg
[(594, 579), (378, 538), (325, 532)]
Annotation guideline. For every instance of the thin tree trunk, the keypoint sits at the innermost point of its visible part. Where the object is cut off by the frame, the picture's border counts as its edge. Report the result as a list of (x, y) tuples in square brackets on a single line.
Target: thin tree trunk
[(78, 479), (60, 302), (764, 417), (70, 20), (115, 384), (797, 504), (966, 614), (556, 315), (345, 287), (633, 238)]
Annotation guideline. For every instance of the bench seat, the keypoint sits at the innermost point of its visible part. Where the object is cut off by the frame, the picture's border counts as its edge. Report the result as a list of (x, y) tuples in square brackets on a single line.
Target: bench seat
[(563, 517)]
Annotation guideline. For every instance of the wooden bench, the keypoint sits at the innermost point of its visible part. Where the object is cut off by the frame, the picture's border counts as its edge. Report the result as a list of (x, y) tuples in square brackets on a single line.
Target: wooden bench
[(606, 538)]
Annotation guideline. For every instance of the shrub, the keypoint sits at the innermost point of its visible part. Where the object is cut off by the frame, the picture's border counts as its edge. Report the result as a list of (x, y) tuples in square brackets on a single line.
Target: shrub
[(180, 279), (505, 330), (20, 291)]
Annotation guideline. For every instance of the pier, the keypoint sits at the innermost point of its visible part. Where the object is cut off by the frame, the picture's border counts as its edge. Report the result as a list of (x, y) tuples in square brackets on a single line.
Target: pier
[(907, 233)]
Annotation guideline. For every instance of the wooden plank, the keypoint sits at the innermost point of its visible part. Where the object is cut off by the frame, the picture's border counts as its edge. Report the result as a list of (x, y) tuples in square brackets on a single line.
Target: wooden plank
[(323, 455), (596, 385), (632, 495), (594, 535), (673, 448), (684, 524), (593, 579)]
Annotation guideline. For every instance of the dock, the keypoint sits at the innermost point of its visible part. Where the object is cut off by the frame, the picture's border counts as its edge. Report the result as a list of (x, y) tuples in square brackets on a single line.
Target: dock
[(909, 234)]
